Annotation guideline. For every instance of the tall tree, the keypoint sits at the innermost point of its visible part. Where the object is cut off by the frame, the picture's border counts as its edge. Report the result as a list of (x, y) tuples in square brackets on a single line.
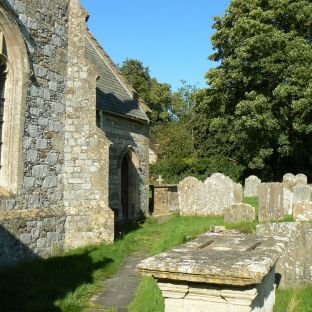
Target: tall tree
[(258, 107), (156, 95)]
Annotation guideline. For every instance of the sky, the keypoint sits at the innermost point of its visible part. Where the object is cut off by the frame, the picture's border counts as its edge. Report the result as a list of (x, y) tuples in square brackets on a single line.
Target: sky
[(171, 37)]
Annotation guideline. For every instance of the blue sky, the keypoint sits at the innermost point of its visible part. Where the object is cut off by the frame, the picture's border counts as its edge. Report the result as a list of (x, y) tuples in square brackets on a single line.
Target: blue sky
[(171, 37)]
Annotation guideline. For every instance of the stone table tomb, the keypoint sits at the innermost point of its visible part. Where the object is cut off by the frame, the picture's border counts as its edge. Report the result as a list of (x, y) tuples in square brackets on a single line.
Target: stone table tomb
[(218, 272)]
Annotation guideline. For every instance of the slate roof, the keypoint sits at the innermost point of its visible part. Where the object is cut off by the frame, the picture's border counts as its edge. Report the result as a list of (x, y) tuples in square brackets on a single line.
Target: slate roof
[(113, 93)]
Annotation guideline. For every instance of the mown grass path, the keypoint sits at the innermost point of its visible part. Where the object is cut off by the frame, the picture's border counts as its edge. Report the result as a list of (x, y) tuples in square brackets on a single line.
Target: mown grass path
[(68, 282)]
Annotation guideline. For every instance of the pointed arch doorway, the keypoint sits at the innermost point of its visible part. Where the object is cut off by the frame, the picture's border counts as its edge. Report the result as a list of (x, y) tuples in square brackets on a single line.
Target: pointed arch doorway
[(129, 185)]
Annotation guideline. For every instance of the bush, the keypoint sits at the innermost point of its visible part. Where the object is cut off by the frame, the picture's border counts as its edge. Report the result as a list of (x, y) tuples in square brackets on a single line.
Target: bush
[(174, 170)]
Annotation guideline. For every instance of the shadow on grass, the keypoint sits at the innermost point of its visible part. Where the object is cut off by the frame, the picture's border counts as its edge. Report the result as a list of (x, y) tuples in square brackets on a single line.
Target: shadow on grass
[(35, 286)]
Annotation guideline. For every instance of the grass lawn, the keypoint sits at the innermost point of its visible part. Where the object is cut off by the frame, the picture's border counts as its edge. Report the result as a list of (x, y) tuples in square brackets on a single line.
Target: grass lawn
[(67, 282)]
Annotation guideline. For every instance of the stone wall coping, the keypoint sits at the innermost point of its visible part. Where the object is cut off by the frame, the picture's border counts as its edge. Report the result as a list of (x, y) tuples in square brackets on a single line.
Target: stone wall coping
[(218, 258), (32, 214)]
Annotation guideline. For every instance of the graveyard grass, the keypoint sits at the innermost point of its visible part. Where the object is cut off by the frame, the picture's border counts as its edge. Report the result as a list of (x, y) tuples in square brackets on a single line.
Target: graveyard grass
[(67, 282)]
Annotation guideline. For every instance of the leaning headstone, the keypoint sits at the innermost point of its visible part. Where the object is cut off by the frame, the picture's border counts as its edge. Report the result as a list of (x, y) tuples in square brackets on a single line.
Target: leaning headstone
[(303, 211), (288, 198), (252, 184), (301, 179), (302, 193), (289, 181), (271, 203), (237, 213)]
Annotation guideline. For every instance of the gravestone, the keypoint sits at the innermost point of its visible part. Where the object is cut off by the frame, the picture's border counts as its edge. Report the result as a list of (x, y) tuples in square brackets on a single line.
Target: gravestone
[(271, 202), (288, 198), (303, 211), (191, 194), (165, 199), (237, 213), (218, 272), (208, 198), (301, 179), (302, 193), (238, 192), (225, 183), (252, 184), (198, 198), (289, 181)]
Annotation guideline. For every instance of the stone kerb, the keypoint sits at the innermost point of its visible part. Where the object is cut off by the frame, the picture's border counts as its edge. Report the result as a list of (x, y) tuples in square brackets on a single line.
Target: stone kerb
[(252, 184), (271, 202), (237, 213), (303, 211), (302, 193)]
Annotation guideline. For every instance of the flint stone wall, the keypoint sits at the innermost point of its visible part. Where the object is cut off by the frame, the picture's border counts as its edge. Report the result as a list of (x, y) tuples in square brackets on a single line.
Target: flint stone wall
[(294, 267), (271, 202), (124, 133), (252, 184), (62, 198)]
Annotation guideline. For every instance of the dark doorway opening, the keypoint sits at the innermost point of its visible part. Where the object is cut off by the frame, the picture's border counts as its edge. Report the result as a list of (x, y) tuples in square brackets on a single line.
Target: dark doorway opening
[(129, 188)]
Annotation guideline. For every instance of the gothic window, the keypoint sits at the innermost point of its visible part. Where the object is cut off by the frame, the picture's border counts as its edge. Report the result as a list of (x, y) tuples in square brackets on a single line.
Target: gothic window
[(3, 76), (14, 84)]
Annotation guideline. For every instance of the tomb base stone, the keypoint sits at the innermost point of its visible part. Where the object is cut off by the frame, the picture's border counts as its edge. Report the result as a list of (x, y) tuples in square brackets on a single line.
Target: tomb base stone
[(218, 272), (191, 297)]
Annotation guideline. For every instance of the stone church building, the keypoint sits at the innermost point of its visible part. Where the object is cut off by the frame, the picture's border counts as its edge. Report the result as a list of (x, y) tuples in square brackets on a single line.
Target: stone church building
[(74, 135)]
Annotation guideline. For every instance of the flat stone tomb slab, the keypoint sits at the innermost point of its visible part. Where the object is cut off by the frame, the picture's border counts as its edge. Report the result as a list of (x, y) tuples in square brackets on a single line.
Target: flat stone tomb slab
[(218, 272)]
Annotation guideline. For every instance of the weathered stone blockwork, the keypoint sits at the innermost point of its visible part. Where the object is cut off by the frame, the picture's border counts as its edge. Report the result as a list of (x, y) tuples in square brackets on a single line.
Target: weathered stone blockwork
[(294, 266), (125, 134), (55, 160)]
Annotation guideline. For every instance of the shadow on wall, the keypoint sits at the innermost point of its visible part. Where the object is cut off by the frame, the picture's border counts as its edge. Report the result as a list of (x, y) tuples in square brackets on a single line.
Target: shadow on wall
[(12, 250), (37, 286)]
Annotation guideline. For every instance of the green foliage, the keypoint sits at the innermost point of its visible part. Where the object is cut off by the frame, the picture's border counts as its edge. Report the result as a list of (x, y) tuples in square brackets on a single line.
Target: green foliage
[(258, 108), (294, 300), (158, 96), (174, 170), (252, 201), (148, 297)]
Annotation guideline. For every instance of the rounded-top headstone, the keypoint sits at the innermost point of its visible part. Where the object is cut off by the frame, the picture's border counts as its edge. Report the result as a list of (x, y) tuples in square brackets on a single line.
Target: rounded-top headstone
[(252, 184), (301, 179), (225, 183), (289, 181)]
